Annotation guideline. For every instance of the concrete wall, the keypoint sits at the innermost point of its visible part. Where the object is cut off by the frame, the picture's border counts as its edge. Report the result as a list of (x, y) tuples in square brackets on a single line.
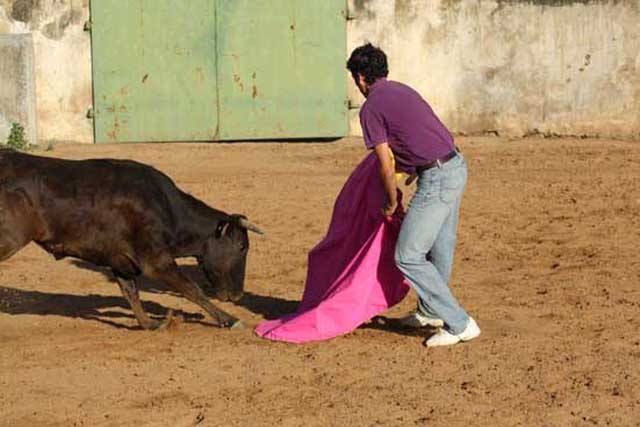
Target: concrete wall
[(62, 63), (17, 94), (568, 67), (513, 66)]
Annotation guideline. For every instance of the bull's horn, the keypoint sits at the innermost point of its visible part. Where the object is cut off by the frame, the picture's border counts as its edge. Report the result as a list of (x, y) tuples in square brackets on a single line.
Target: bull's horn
[(243, 222)]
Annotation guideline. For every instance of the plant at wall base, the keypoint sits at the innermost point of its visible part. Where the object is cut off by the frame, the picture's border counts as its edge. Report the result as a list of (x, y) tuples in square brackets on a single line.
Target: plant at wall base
[(16, 137)]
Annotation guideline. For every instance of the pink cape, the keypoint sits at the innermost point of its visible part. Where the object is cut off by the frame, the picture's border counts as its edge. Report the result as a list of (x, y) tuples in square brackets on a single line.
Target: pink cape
[(352, 275)]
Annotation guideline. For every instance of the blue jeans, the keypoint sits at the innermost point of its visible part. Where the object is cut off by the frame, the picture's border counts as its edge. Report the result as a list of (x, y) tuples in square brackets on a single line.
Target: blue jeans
[(424, 252)]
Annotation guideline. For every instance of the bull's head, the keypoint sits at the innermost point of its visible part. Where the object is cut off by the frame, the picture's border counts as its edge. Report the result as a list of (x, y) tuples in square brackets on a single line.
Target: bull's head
[(225, 256)]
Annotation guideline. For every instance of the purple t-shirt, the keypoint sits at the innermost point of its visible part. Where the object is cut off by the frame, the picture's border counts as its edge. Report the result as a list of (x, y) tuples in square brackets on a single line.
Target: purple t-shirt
[(396, 114)]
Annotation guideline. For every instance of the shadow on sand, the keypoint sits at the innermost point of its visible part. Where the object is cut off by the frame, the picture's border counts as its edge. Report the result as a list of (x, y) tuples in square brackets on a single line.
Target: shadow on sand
[(107, 309), (104, 309), (389, 324)]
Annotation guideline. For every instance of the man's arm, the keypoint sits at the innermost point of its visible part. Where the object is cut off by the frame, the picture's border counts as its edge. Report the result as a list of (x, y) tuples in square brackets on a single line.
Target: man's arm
[(388, 176)]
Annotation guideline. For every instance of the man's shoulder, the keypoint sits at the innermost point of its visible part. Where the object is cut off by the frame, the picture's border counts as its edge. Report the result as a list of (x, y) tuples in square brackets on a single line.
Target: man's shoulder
[(369, 111), (402, 88), (376, 100), (365, 107), (373, 103), (393, 89)]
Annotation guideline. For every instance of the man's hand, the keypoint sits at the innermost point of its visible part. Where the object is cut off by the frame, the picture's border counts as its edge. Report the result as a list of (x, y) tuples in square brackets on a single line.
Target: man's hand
[(411, 178), (389, 209)]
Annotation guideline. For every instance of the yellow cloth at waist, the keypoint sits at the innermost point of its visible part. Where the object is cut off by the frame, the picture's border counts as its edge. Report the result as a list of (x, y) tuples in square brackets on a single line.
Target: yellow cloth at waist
[(400, 176)]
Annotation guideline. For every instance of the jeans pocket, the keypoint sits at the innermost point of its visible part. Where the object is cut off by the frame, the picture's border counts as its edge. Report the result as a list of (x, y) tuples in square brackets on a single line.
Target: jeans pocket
[(428, 190), (452, 185)]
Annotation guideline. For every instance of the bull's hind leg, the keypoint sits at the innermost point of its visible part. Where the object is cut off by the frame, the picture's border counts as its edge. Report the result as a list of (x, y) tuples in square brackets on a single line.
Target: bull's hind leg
[(130, 292), (170, 274), (12, 238), (8, 247), (18, 224)]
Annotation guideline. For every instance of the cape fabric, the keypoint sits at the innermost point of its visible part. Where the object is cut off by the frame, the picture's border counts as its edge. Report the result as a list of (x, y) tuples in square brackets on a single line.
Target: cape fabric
[(352, 275)]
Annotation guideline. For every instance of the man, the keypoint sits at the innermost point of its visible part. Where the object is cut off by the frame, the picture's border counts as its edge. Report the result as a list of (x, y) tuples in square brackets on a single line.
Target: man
[(395, 117)]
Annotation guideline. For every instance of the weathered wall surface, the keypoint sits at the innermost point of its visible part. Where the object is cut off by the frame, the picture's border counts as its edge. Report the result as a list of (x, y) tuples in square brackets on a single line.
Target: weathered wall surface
[(17, 95), (509, 66), (62, 63), (513, 66)]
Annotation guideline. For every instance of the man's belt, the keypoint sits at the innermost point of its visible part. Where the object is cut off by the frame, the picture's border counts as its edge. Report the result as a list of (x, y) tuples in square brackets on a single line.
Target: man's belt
[(437, 162)]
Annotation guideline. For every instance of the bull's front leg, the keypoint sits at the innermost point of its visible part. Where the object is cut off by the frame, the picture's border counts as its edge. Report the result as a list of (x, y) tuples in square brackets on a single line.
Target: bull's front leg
[(169, 273), (130, 293)]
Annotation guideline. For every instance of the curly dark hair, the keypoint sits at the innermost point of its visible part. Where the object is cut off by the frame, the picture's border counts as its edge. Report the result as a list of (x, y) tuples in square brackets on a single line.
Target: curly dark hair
[(369, 61)]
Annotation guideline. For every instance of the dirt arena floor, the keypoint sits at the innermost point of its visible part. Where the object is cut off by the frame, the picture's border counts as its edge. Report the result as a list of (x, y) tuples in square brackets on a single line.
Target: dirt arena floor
[(547, 262)]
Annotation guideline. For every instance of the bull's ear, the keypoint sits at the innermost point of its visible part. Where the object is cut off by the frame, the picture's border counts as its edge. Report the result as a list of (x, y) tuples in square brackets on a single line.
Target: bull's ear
[(222, 228)]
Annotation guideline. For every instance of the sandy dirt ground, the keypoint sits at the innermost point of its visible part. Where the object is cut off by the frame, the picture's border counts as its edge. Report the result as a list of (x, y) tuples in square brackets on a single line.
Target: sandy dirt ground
[(547, 262)]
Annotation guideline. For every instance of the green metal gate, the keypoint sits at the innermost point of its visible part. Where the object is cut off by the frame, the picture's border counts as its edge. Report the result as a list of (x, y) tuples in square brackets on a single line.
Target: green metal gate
[(206, 70)]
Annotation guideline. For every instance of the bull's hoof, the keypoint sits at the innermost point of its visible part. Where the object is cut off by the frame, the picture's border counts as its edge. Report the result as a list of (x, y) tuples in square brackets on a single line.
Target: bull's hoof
[(167, 322), (239, 325), (235, 298), (222, 296), (152, 325)]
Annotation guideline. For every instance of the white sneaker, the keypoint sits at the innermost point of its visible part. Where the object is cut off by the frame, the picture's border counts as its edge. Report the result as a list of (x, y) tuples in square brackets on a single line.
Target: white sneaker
[(445, 338), (419, 320)]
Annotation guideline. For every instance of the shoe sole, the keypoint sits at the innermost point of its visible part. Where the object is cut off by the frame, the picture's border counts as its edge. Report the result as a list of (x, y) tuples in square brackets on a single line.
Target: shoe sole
[(460, 340), (472, 337), (475, 334)]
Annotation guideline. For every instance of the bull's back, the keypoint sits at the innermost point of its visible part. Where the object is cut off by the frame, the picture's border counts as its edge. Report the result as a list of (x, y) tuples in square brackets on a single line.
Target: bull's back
[(77, 179), (88, 208)]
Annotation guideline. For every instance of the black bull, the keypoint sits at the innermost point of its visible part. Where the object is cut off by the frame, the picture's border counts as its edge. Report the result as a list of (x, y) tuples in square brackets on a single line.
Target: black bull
[(126, 216)]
